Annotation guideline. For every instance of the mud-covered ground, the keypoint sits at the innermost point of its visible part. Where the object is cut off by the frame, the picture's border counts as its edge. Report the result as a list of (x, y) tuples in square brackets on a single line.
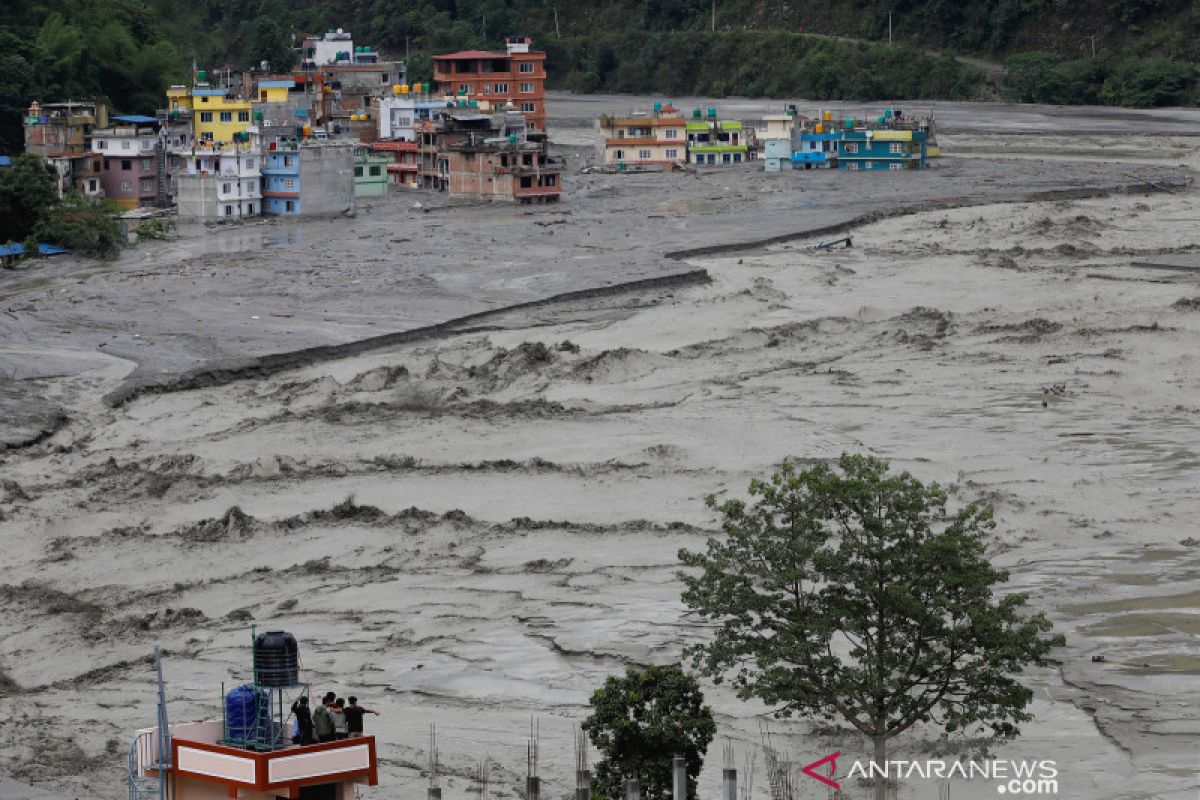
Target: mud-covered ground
[(477, 528)]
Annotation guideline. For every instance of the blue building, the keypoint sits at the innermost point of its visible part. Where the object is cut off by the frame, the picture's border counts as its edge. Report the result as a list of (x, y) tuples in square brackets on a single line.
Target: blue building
[(881, 149), (816, 150), (281, 180)]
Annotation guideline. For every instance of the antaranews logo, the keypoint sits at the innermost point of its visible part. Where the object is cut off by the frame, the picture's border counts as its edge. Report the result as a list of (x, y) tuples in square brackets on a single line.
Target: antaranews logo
[(1017, 778)]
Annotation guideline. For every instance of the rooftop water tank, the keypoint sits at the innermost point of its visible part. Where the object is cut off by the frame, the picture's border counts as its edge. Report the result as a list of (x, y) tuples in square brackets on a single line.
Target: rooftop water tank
[(202, 76), (242, 705), (276, 656)]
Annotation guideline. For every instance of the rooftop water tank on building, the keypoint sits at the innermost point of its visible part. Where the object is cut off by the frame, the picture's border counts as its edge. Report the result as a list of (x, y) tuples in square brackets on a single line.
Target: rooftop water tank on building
[(242, 705), (276, 657)]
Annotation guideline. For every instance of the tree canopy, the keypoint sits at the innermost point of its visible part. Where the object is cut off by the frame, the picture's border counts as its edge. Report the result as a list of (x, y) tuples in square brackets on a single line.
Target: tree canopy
[(640, 722), (852, 593)]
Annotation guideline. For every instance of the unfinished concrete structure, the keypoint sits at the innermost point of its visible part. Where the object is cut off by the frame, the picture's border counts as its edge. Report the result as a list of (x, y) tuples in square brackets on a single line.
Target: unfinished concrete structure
[(494, 157), (308, 178)]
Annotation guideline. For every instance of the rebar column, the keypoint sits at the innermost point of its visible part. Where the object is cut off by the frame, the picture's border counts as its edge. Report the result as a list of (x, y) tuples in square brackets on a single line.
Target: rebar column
[(583, 784), (729, 784), (533, 787), (679, 786)]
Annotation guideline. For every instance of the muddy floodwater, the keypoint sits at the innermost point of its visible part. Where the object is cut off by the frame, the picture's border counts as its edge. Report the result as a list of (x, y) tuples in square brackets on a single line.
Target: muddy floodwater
[(455, 448)]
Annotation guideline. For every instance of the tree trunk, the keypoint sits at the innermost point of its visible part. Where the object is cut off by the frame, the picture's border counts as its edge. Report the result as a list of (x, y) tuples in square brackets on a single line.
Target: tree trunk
[(880, 761)]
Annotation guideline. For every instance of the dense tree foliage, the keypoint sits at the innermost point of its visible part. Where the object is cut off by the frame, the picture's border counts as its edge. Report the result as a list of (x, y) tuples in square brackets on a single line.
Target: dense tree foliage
[(1129, 52), (27, 193), (86, 226), (640, 722), (854, 594), (31, 211)]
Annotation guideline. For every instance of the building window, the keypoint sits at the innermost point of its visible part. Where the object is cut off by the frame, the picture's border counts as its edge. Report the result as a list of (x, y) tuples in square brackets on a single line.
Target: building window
[(250, 208), (106, 165), (464, 88), (851, 148), (249, 187), (868, 164), (92, 185), (619, 154), (644, 155), (243, 116), (852, 166), (126, 164), (671, 133), (206, 116), (126, 186), (174, 162), (358, 172), (526, 66), (385, 77), (725, 158), (289, 184), (226, 188), (101, 144), (895, 167), (147, 185), (207, 136), (147, 165), (672, 154), (289, 206), (527, 88), (287, 161), (528, 107), (226, 116), (376, 172), (895, 147), (204, 99), (249, 163), (229, 211), (501, 88), (126, 145), (550, 180)]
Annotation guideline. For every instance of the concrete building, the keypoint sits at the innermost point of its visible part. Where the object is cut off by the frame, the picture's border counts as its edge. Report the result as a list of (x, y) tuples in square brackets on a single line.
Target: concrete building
[(401, 161), (655, 140), (881, 150), (716, 142), (219, 182), (56, 129), (399, 112), (308, 178), (79, 173), (494, 157), (217, 116), (134, 170), (370, 173), (516, 76)]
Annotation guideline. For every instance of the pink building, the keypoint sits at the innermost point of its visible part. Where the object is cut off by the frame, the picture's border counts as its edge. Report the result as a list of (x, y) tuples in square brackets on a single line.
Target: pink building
[(133, 169)]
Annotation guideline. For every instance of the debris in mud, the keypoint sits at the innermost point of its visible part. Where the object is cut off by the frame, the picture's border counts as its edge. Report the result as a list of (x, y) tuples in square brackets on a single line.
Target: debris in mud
[(1023, 332), (1187, 304), (234, 524), (1190, 541)]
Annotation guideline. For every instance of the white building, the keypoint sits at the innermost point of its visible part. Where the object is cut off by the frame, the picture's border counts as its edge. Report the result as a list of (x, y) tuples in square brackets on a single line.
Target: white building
[(219, 183)]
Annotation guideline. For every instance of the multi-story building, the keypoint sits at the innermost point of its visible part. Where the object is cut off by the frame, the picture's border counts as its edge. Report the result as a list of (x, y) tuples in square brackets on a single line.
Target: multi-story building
[(134, 170), (55, 129), (79, 173), (716, 142), (370, 173), (516, 77), (881, 149), (308, 178), (217, 116), (399, 113), (401, 161), (641, 140), (494, 157), (219, 182)]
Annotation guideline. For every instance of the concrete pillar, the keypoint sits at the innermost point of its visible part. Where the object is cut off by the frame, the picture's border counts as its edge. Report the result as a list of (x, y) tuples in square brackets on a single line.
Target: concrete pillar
[(729, 784), (533, 787), (633, 789), (583, 784), (679, 788)]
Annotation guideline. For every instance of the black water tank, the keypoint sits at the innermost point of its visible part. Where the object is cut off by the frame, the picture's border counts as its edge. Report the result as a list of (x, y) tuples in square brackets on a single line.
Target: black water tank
[(276, 659)]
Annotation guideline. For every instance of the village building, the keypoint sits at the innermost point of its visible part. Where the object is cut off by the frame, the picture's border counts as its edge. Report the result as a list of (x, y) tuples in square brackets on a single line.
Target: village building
[(401, 161), (370, 173), (56, 129), (495, 157), (79, 173), (881, 150), (218, 182), (654, 140), (716, 142), (776, 137), (133, 162), (307, 178), (516, 77)]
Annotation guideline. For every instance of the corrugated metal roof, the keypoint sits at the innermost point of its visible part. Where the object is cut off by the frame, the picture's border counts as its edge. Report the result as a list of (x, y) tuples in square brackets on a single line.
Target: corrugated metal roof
[(5, 161), (17, 249), (135, 118), (288, 84), (209, 92)]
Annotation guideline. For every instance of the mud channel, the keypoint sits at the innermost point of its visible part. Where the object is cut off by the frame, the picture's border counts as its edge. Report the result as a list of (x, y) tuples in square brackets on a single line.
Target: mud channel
[(475, 524)]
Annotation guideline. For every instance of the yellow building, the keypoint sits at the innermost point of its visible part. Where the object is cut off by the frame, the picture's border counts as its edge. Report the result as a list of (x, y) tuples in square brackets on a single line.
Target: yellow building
[(217, 117), (274, 91), (179, 98)]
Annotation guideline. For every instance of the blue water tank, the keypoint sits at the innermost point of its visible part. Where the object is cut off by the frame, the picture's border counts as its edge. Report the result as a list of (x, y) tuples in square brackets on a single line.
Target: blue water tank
[(242, 705)]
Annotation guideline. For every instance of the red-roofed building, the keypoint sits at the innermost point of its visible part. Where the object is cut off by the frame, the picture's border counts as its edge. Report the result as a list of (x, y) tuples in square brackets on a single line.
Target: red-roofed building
[(517, 76)]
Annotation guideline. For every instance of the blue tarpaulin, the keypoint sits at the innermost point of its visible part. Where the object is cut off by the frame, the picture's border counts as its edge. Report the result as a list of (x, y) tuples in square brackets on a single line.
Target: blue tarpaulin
[(136, 119), (5, 161), (44, 249)]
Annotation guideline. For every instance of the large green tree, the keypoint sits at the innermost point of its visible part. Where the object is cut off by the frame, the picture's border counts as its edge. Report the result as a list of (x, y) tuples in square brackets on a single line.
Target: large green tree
[(853, 593), (640, 722), (28, 191)]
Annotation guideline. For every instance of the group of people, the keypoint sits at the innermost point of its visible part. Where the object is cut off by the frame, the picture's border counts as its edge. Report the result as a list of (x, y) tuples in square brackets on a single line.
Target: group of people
[(333, 719)]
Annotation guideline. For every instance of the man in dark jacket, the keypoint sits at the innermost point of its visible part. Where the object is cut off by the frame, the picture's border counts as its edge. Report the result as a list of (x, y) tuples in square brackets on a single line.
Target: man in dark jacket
[(323, 720), (304, 722)]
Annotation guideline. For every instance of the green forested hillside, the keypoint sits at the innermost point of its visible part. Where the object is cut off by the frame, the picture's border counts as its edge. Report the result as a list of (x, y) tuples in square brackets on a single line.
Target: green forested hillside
[(1132, 52)]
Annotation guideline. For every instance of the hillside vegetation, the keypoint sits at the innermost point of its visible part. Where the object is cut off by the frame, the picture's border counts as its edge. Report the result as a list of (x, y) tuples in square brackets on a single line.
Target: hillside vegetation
[(1119, 52)]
